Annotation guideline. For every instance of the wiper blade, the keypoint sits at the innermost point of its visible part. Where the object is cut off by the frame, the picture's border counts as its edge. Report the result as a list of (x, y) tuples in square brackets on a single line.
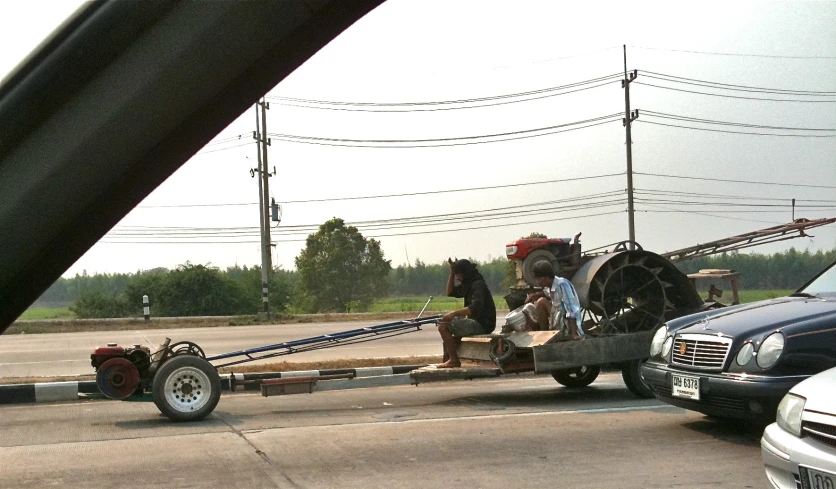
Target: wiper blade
[(805, 294)]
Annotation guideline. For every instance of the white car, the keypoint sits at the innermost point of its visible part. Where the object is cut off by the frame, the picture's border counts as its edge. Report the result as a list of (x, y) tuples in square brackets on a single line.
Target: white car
[(799, 450)]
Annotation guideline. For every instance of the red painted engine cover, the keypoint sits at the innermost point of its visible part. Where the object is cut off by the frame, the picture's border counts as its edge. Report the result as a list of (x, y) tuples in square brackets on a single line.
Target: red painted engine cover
[(112, 351), (104, 353)]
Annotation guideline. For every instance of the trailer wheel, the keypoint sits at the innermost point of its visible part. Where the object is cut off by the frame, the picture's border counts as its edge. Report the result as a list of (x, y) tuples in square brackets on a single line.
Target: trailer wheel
[(631, 372), (186, 388), (577, 377)]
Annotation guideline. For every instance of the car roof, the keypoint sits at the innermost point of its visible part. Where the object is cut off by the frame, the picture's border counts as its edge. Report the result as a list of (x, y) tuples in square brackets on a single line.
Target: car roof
[(117, 100)]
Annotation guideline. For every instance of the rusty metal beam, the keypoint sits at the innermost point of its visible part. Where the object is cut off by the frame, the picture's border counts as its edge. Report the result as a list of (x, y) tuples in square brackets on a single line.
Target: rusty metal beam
[(783, 232)]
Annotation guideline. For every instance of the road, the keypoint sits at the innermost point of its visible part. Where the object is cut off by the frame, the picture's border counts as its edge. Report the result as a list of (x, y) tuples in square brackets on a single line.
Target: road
[(69, 353), (521, 431)]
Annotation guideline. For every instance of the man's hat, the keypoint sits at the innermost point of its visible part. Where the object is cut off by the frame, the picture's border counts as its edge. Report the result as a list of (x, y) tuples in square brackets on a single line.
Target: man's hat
[(463, 266)]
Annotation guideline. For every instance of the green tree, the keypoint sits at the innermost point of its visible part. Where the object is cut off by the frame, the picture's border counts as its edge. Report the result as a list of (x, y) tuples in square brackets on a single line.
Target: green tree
[(339, 270), (100, 305), (151, 283), (200, 290), (250, 281)]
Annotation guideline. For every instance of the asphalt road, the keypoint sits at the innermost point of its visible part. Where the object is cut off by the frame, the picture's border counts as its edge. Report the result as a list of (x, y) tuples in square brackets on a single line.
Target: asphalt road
[(512, 432), (69, 353)]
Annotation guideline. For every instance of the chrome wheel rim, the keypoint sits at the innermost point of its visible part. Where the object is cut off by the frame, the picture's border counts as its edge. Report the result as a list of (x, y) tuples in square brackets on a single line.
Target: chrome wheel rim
[(187, 389)]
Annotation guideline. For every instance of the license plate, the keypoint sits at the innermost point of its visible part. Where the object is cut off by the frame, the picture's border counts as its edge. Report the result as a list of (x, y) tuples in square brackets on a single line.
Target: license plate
[(816, 479), (687, 387)]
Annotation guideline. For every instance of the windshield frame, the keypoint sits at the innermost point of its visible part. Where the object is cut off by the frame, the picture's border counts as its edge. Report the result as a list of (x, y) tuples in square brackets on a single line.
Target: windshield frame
[(814, 279)]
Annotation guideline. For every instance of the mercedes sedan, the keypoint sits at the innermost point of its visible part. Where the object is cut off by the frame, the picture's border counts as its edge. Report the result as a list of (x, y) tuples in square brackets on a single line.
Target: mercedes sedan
[(740, 361)]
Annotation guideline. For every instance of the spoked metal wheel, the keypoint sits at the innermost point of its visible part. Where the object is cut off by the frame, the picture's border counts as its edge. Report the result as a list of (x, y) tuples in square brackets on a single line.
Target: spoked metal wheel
[(631, 291), (629, 296), (186, 388)]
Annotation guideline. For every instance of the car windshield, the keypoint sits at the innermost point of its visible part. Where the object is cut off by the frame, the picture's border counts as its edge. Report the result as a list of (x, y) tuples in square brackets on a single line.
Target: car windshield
[(824, 285)]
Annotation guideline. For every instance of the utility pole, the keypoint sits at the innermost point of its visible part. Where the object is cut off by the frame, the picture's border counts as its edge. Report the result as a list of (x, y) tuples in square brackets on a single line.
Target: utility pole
[(262, 141), (629, 117)]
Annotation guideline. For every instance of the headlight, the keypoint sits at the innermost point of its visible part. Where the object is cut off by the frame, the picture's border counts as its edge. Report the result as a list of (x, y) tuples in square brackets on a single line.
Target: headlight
[(789, 413), (658, 339), (770, 350), (666, 348), (745, 354), (510, 250)]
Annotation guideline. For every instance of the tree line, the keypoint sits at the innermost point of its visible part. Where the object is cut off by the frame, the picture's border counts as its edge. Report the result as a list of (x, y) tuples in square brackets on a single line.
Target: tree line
[(341, 271), (786, 270)]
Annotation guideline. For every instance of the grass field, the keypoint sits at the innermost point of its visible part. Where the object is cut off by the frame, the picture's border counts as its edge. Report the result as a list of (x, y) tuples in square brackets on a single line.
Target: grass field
[(412, 304), (42, 313)]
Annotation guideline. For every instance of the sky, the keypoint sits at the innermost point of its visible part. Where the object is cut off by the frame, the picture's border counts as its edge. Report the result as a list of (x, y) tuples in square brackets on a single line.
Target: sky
[(417, 52)]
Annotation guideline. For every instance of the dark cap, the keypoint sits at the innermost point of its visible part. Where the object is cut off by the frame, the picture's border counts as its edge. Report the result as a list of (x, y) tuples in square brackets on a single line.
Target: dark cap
[(464, 267)]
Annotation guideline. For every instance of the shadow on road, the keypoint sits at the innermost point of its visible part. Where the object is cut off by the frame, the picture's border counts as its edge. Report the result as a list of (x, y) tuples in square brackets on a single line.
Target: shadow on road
[(554, 398), (728, 430)]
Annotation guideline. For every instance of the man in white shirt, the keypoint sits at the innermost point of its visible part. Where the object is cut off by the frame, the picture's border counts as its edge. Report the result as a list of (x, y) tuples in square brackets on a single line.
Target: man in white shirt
[(558, 306)]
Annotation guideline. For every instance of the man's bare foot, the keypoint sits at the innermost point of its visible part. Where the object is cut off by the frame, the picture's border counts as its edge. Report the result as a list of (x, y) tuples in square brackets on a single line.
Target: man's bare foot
[(450, 364)]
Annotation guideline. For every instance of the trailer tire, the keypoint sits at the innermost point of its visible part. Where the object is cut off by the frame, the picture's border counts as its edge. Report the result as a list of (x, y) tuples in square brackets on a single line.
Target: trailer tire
[(577, 377), (631, 372), (532, 259), (186, 388)]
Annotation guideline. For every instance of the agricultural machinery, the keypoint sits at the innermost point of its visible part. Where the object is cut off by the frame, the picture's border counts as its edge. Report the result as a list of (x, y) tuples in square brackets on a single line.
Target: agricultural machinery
[(625, 291)]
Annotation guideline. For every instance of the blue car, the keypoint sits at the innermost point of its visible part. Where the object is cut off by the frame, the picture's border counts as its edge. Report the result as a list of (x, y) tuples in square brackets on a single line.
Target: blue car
[(740, 361)]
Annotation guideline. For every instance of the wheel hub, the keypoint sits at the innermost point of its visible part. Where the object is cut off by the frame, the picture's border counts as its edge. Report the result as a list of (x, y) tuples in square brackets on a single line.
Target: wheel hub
[(188, 389)]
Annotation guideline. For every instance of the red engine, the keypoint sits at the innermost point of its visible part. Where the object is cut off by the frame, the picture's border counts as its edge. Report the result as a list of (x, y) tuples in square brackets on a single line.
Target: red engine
[(119, 370), (520, 248)]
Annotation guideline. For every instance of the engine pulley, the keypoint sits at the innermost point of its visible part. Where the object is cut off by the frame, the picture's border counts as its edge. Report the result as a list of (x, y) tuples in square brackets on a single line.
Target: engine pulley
[(117, 378)]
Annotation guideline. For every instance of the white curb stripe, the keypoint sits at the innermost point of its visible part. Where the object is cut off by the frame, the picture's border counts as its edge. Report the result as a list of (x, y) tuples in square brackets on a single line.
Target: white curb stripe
[(301, 373), (372, 371), (56, 391)]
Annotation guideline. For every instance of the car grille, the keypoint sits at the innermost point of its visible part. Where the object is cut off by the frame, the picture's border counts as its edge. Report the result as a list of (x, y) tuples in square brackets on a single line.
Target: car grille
[(821, 432), (700, 351)]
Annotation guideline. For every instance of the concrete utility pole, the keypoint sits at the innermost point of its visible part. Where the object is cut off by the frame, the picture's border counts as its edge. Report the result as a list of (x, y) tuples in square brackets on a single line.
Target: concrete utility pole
[(260, 135), (629, 117)]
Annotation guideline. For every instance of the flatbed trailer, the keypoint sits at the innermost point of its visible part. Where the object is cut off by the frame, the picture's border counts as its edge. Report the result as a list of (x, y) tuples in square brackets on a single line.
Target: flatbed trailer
[(626, 295), (574, 363)]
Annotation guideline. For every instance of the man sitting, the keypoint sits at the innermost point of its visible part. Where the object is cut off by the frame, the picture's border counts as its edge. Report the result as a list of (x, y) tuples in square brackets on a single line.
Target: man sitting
[(557, 307), (478, 316)]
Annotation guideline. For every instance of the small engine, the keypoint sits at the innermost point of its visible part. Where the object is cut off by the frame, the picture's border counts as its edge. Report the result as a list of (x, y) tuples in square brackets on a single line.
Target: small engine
[(120, 371)]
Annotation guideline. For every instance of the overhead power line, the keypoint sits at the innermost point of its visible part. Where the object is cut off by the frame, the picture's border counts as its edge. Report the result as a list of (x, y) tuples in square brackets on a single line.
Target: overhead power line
[(436, 109), (763, 99), (739, 204), (667, 209), (557, 206), (747, 55), (739, 132), (753, 182), (734, 87), (451, 141), (406, 194), (459, 229), (710, 196), (409, 106), (663, 115)]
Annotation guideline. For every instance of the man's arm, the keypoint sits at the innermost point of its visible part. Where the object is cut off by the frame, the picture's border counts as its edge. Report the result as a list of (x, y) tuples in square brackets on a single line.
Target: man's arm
[(451, 281), (451, 284), (534, 296), (570, 300), (465, 311)]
